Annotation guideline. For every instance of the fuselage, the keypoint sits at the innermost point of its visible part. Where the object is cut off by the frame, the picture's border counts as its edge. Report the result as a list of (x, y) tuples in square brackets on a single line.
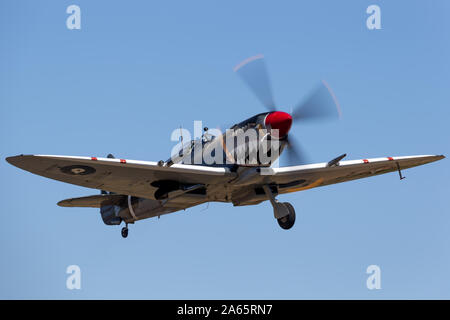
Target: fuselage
[(263, 135), (255, 142)]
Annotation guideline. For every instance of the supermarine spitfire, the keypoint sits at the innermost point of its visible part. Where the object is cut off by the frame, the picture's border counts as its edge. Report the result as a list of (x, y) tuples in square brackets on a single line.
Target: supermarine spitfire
[(134, 190)]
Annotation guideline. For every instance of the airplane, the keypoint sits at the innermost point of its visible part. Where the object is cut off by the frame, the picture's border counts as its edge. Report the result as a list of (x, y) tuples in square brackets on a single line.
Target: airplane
[(133, 190)]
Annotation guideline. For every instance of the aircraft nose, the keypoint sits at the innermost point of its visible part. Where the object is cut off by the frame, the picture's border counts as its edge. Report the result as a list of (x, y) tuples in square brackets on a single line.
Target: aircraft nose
[(279, 120)]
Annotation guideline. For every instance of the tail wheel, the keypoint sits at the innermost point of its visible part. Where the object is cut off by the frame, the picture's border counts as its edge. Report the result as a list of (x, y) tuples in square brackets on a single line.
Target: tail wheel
[(124, 232), (288, 221)]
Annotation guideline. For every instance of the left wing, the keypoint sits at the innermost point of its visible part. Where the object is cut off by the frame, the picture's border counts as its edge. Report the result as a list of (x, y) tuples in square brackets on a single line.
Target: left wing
[(297, 178), (248, 186)]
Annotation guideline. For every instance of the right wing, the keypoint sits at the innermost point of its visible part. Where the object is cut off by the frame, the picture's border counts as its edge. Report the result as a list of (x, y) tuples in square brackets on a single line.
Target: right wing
[(126, 177)]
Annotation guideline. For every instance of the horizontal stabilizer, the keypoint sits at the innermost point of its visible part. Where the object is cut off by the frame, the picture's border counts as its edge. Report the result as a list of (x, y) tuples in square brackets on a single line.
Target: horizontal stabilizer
[(96, 201)]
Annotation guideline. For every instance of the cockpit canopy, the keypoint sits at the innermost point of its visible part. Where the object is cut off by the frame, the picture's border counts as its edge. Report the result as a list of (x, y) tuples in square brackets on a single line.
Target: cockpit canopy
[(251, 122)]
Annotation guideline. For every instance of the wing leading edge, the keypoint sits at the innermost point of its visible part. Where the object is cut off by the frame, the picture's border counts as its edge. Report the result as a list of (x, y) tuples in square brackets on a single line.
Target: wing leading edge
[(130, 177)]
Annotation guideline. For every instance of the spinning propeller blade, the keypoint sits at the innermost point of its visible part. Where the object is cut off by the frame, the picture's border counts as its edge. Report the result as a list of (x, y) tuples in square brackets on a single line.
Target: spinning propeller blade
[(295, 153), (320, 104), (253, 72)]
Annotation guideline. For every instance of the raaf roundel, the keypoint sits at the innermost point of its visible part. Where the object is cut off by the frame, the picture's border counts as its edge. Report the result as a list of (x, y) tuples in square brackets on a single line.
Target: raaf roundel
[(134, 190)]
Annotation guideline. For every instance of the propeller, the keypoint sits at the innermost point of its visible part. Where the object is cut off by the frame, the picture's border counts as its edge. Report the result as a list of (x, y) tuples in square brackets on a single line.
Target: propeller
[(319, 104), (295, 153), (253, 72)]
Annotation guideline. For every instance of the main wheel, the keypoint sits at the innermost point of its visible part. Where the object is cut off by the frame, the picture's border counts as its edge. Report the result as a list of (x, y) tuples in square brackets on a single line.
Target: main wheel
[(124, 232), (287, 221)]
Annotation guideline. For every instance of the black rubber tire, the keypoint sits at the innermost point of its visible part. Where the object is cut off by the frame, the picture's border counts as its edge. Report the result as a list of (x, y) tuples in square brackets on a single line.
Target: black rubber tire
[(124, 232), (288, 221)]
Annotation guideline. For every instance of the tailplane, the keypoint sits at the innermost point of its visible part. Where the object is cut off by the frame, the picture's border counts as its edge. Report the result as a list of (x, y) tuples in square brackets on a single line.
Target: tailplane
[(109, 204)]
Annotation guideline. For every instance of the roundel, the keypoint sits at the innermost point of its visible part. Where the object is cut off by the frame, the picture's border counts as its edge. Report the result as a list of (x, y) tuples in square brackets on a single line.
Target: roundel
[(77, 170)]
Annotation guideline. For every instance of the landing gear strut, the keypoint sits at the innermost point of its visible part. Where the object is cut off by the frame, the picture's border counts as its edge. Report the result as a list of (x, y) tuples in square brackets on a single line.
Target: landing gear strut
[(125, 231), (284, 212)]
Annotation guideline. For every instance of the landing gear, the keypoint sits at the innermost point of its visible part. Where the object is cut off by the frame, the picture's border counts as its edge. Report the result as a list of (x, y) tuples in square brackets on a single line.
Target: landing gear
[(284, 212), (288, 221), (125, 231)]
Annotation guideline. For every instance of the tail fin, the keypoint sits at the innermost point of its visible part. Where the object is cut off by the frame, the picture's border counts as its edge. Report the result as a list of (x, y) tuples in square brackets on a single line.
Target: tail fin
[(109, 212), (109, 156)]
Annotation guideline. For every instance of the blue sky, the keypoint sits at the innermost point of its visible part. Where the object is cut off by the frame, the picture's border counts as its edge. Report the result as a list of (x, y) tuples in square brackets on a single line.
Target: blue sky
[(137, 70)]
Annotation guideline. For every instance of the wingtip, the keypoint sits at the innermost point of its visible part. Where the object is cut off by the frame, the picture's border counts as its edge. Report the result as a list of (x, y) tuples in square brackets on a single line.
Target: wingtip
[(62, 203), (12, 159), (15, 160)]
